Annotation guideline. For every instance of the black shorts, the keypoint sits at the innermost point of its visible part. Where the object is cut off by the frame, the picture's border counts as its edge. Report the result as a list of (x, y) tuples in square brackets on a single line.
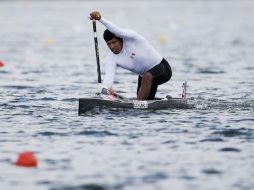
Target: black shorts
[(161, 74)]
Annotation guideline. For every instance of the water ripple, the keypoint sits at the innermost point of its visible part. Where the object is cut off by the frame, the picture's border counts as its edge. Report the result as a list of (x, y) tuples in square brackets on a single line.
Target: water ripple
[(89, 187), (210, 71), (220, 104), (97, 133), (230, 149), (212, 140), (211, 171), (235, 132), (151, 178), (18, 87), (50, 133)]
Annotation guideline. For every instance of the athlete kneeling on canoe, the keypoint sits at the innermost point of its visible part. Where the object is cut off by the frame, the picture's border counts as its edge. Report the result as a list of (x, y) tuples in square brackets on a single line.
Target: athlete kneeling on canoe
[(133, 52)]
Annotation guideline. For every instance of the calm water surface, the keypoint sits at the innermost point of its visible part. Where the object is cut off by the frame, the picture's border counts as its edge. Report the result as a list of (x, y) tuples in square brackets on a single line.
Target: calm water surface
[(48, 51)]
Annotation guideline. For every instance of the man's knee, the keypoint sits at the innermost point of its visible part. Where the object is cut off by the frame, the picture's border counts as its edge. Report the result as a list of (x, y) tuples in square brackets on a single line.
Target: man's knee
[(147, 79)]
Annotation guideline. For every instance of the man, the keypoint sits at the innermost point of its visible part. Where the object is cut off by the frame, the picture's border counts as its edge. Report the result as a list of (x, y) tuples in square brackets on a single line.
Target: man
[(131, 51)]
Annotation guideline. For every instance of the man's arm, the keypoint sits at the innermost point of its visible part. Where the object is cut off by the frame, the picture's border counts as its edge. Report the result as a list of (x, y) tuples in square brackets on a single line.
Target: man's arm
[(109, 75), (119, 32)]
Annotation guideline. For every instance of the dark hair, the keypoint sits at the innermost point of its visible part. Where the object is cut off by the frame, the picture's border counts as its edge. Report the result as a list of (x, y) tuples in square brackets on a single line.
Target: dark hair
[(107, 35)]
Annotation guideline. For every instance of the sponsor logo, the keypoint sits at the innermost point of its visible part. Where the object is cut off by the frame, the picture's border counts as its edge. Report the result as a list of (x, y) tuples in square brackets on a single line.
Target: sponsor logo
[(132, 55), (140, 104)]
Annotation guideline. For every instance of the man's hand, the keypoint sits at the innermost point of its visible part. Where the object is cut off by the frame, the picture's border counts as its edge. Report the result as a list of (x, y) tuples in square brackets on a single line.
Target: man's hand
[(111, 91), (95, 15)]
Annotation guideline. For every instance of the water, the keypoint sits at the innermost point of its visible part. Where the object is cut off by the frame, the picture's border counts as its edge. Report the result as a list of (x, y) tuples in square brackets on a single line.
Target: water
[(49, 60)]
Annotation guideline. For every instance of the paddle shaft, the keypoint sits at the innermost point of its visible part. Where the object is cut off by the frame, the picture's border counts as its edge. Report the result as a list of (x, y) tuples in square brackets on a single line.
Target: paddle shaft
[(97, 51)]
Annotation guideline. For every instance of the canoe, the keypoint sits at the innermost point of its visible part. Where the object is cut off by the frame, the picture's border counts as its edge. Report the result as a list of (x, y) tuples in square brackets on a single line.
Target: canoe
[(110, 101), (105, 100)]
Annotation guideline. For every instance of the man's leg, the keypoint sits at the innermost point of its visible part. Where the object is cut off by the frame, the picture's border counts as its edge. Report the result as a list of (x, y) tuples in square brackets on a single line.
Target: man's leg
[(139, 83), (146, 85), (152, 92), (153, 89)]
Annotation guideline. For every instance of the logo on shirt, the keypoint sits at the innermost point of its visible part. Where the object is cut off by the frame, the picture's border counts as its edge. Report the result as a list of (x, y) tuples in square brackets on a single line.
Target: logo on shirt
[(132, 55)]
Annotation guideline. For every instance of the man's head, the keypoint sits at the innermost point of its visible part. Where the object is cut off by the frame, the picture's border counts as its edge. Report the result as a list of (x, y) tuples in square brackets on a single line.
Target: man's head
[(114, 43)]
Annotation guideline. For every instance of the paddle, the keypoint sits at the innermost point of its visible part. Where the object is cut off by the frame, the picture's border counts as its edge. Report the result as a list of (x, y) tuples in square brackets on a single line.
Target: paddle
[(96, 51)]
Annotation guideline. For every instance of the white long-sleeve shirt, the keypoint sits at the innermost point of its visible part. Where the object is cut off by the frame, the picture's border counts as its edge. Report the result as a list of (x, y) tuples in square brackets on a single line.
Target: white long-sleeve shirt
[(137, 55)]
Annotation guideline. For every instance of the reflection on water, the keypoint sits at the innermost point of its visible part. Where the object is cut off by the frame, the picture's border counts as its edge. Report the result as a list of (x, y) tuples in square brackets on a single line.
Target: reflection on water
[(49, 62)]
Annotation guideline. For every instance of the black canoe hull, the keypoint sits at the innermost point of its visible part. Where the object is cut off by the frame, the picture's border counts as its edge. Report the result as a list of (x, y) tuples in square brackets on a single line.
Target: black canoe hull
[(87, 104)]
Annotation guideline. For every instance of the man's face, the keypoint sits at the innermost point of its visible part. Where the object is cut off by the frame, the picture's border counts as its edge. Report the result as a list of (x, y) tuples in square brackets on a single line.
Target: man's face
[(115, 45)]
